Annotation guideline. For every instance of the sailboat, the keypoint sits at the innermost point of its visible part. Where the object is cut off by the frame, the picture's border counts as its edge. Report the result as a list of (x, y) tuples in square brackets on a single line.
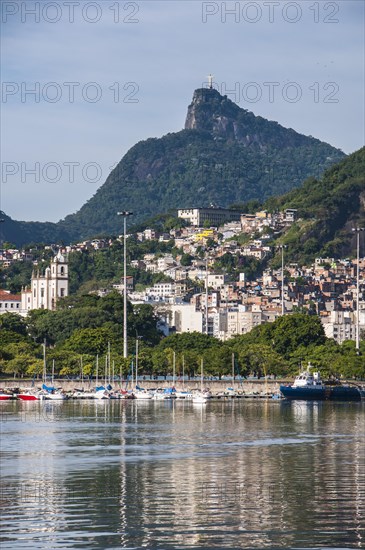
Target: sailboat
[(103, 392), (140, 393), (202, 395), (52, 393), (231, 392), (183, 394), (46, 392)]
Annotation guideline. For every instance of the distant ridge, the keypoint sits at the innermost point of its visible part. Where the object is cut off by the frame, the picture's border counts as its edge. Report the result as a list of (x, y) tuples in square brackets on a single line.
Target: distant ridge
[(224, 155)]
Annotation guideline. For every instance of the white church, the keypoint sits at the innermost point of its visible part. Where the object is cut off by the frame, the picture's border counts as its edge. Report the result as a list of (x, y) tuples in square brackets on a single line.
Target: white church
[(46, 289)]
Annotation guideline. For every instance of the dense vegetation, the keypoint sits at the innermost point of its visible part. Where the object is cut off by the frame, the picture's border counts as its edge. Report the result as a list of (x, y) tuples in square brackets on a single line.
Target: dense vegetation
[(243, 157), (328, 209), (83, 328)]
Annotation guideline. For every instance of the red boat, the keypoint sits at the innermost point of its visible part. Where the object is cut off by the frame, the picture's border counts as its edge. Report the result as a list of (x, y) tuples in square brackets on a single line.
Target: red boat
[(29, 396), (5, 396)]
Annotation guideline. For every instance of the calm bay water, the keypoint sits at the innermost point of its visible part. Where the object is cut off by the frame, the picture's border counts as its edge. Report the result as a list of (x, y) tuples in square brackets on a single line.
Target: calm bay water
[(235, 474)]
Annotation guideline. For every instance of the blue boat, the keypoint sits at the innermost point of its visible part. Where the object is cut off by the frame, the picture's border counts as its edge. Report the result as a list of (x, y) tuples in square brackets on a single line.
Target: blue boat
[(309, 387)]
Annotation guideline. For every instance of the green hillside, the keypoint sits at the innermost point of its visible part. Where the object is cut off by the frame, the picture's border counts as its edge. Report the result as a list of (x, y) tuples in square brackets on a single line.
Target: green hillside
[(328, 209), (224, 155)]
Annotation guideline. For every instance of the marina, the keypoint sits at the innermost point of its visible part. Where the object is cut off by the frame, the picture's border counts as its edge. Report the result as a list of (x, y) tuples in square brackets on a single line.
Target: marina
[(305, 387)]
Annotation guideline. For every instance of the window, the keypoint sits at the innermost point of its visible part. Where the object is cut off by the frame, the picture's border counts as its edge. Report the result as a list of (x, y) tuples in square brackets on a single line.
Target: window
[(42, 292), (62, 292), (62, 270)]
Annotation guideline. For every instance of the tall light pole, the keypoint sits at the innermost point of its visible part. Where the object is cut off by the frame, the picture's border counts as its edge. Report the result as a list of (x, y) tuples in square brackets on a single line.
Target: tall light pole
[(206, 296), (282, 246), (357, 230), (125, 215)]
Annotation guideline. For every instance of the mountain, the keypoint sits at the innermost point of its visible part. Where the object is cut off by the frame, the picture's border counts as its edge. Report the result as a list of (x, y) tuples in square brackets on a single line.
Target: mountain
[(224, 155), (328, 209), (19, 232)]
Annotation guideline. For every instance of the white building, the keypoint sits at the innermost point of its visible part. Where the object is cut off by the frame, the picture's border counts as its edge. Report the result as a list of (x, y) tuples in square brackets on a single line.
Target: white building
[(185, 318), (341, 325), (46, 289), (215, 216), (161, 291), (9, 303)]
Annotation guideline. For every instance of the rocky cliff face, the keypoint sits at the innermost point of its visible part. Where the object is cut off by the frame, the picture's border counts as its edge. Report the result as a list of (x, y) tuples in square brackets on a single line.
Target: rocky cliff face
[(210, 111)]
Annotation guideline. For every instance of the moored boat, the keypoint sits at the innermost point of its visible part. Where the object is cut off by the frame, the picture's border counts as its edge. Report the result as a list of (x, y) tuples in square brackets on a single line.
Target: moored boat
[(53, 394), (101, 393), (31, 396), (141, 393), (202, 395), (310, 387), (183, 394), (5, 396)]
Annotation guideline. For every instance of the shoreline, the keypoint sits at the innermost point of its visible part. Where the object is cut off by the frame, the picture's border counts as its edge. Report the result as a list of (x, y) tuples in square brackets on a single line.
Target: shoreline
[(247, 386)]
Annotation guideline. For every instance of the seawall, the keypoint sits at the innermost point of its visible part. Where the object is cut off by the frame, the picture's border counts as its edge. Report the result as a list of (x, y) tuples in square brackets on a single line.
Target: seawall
[(247, 386)]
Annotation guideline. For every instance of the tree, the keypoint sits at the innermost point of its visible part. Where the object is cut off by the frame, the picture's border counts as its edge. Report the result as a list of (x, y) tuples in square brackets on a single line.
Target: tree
[(12, 322), (189, 341), (218, 361), (88, 341), (261, 359), (186, 259), (160, 362), (19, 358), (289, 332)]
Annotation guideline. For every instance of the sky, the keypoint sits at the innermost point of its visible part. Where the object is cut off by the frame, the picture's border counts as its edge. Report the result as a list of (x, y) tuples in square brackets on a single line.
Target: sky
[(83, 81)]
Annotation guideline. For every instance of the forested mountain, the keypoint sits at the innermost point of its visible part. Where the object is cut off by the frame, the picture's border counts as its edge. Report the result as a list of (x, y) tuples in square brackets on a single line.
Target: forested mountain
[(18, 232), (224, 155), (328, 209)]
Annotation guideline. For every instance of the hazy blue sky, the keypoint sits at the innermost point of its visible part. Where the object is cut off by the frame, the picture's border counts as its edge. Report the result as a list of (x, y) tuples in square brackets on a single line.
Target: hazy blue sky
[(108, 74)]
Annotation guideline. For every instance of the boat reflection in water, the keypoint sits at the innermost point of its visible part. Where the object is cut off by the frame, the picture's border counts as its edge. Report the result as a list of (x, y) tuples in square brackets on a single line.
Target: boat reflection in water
[(310, 387), (234, 474)]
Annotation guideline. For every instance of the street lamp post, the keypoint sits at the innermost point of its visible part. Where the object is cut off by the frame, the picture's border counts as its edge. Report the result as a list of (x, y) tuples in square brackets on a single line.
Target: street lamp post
[(125, 215), (282, 246), (206, 296), (357, 230)]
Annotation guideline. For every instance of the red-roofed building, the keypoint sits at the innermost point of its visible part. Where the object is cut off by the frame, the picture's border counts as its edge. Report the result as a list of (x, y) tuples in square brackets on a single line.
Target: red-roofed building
[(10, 303)]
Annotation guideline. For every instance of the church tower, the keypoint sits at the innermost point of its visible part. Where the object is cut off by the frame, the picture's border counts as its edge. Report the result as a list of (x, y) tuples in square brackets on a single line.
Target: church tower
[(58, 279), (46, 290)]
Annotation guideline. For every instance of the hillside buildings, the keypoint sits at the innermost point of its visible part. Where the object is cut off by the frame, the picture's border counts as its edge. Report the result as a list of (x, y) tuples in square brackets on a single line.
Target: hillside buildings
[(203, 294)]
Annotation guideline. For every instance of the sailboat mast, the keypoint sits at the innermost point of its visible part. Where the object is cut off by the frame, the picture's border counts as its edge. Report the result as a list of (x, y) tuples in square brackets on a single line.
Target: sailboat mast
[(173, 368), (233, 370), (44, 362), (108, 362), (136, 359), (183, 369), (201, 376)]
